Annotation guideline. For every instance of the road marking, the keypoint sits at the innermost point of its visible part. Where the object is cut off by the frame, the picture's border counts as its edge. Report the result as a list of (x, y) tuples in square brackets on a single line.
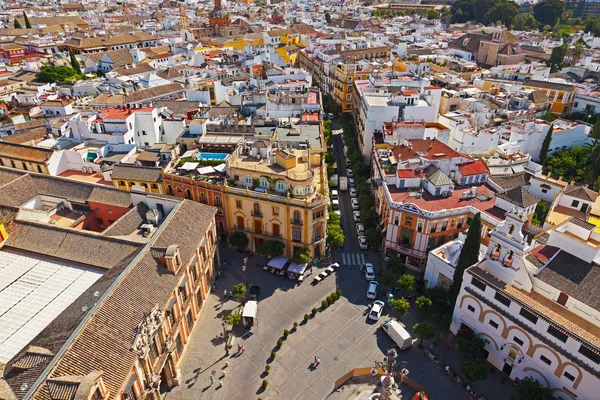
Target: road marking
[(344, 258), (362, 258)]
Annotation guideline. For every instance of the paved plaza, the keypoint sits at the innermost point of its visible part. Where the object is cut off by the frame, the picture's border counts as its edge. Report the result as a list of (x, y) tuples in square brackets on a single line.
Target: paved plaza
[(341, 337)]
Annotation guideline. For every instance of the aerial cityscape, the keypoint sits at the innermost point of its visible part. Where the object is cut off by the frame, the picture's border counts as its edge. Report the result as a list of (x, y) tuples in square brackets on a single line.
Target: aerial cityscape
[(296, 200)]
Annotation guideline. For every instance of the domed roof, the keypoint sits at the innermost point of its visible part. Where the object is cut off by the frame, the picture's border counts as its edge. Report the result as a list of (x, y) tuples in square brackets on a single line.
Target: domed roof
[(218, 13), (399, 66)]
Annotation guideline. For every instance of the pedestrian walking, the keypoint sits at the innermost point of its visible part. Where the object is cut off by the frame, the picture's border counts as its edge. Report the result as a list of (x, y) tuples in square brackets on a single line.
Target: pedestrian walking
[(243, 349), (230, 295), (239, 348), (317, 362), (225, 294), (212, 380)]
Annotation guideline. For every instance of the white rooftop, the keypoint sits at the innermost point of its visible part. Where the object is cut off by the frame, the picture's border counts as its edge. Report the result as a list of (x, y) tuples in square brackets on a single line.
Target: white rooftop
[(33, 292)]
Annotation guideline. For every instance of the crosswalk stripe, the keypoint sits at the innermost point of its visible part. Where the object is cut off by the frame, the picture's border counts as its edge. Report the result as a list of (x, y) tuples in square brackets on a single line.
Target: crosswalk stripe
[(344, 257), (354, 259), (362, 259)]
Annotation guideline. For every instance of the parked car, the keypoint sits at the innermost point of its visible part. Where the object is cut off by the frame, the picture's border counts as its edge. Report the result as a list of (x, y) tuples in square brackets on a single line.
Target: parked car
[(335, 204), (334, 194), (356, 216), (369, 271), (352, 192), (360, 228), (351, 182), (349, 173), (348, 163), (398, 334), (372, 290), (362, 243), (376, 310), (354, 203)]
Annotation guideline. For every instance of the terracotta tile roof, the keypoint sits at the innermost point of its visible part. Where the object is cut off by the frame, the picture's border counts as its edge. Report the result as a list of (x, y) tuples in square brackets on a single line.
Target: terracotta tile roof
[(581, 192), (428, 149), (34, 134), (25, 153), (519, 196), (410, 173), (506, 182), (111, 330), (18, 191), (473, 168), (136, 69), (135, 173), (110, 196), (129, 222)]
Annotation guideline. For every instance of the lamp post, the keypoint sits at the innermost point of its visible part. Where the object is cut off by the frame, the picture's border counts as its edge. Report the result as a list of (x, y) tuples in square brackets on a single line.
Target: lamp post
[(387, 381)]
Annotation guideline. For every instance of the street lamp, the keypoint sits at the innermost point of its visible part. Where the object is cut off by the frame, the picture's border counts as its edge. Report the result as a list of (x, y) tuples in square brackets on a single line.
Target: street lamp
[(387, 381), (244, 262)]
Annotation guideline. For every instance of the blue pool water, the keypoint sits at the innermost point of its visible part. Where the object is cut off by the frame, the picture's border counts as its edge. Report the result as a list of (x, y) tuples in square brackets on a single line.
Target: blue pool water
[(212, 156)]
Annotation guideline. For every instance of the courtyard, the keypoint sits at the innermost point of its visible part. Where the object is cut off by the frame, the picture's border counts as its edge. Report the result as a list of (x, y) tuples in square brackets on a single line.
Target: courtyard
[(341, 336)]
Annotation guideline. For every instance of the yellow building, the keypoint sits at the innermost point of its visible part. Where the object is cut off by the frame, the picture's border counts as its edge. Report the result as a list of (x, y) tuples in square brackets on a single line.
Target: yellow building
[(345, 73), (278, 193), (26, 158), (141, 179)]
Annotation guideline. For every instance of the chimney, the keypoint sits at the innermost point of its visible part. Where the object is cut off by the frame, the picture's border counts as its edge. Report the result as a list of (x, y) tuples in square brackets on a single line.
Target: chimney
[(549, 174), (560, 178), (572, 183)]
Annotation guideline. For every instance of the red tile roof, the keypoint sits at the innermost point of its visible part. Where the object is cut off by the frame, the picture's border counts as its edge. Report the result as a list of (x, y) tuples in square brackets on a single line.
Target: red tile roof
[(473, 168), (428, 149), (410, 173), (544, 253), (122, 113), (431, 87), (409, 92)]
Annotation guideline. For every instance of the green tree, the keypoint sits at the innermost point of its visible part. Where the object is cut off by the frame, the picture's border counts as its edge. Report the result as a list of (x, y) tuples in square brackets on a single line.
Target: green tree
[(469, 255), (473, 371), (441, 321), (387, 280), (471, 344), (540, 213), (408, 283), (525, 22), (74, 62), (301, 255), (239, 291), (503, 11), (373, 237), (423, 304), (578, 52), (548, 12), (424, 331), (233, 318), (531, 389), (431, 13), (395, 266), (335, 236), (401, 306), (26, 20), (17, 25), (54, 74), (239, 240), (592, 24), (557, 58), (271, 248), (546, 145), (596, 130)]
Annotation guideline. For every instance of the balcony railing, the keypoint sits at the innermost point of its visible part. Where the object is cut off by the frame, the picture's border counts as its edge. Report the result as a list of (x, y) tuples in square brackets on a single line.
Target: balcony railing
[(294, 221), (256, 213)]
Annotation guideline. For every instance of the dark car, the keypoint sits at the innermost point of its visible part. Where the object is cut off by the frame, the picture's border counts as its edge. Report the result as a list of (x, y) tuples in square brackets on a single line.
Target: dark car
[(254, 292)]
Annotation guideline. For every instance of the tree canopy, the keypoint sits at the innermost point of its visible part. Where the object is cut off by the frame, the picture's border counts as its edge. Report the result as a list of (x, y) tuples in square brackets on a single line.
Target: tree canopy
[(424, 331), (548, 12), (485, 11), (238, 239), (26, 20), (574, 164), (408, 283), (531, 389), (301, 255), (557, 59), (401, 306), (74, 62), (469, 255), (546, 145), (239, 291)]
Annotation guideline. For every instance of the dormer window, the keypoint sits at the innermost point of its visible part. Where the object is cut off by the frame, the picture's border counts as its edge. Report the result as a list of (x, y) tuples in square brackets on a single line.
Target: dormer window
[(173, 258), (280, 186), (264, 182)]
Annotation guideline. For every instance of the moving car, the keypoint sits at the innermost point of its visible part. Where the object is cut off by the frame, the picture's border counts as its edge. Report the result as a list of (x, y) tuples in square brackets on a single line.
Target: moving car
[(362, 243), (376, 310), (397, 333), (352, 192), (354, 203), (372, 290), (360, 228), (356, 216), (369, 271)]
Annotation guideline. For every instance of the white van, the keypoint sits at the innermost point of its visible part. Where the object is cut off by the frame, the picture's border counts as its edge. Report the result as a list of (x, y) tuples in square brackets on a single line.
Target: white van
[(334, 194), (398, 334), (335, 204)]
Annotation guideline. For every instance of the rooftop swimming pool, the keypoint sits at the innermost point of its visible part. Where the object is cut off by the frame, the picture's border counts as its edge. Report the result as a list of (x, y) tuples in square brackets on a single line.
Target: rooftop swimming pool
[(212, 156)]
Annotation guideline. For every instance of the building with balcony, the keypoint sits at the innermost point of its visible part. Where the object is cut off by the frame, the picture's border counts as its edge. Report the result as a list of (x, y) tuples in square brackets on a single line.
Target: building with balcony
[(427, 194), (535, 307), (82, 258), (277, 192)]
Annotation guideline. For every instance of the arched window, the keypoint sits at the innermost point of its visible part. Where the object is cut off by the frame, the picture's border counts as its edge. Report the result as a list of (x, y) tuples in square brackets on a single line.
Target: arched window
[(203, 197), (307, 189), (169, 189), (248, 181), (122, 183), (280, 186), (299, 190), (188, 193), (496, 252), (264, 182), (217, 201)]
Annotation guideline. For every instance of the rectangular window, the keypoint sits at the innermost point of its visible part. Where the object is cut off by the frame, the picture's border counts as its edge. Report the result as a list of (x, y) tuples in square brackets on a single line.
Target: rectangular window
[(493, 323), (544, 190), (296, 235), (575, 203), (545, 360), (238, 203), (407, 221), (433, 228), (518, 341), (502, 299), (275, 210), (420, 227), (528, 315), (396, 220), (471, 308), (589, 354), (478, 284), (179, 344), (144, 133), (557, 334), (569, 376)]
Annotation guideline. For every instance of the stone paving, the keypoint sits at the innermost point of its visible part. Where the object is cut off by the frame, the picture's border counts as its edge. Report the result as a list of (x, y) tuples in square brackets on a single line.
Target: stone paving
[(341, 337)]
